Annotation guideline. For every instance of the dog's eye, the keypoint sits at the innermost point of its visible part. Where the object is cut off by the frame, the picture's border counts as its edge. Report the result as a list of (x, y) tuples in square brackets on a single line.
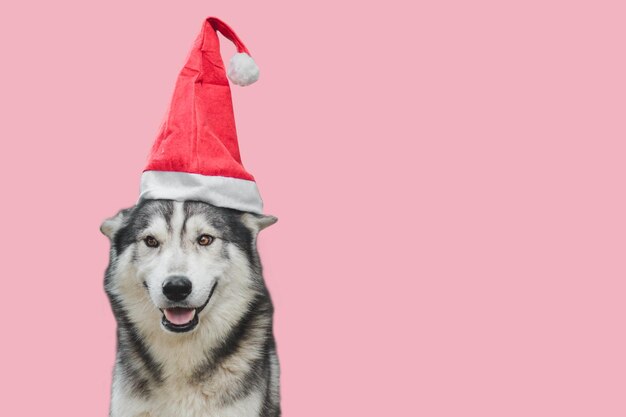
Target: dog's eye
[(151, 242), (205, 240)]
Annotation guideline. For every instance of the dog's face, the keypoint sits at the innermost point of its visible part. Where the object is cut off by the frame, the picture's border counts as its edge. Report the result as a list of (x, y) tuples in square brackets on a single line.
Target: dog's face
[(174, 254)]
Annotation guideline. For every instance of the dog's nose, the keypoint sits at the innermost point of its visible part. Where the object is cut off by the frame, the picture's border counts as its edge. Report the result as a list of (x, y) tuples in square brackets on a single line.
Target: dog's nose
[(177, 288)]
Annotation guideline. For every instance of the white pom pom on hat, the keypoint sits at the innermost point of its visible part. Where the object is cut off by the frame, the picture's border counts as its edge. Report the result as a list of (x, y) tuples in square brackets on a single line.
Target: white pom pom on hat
[(242, 69)]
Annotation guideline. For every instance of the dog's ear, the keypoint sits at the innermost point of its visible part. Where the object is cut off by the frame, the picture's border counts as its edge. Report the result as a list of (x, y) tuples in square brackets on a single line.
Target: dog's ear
[(110, 226), (257, 222)]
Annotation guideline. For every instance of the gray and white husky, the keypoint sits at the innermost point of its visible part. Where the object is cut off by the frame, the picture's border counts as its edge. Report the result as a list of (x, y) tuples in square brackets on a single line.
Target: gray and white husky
[(194, 317)]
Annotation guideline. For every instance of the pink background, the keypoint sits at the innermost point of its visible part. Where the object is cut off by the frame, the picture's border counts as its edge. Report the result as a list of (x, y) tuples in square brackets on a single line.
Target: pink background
[(449, 178)]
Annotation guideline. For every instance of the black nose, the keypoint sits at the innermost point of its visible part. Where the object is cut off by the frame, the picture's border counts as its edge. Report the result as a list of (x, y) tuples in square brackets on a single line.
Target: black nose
[(177, 288)]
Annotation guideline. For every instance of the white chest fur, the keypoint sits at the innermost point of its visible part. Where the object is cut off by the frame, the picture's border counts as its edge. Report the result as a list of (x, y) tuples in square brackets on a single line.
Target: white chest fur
[(180, 399)]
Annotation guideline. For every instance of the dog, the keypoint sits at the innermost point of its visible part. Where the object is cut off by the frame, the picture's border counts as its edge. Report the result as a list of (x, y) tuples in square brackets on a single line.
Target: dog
[(194, 316)]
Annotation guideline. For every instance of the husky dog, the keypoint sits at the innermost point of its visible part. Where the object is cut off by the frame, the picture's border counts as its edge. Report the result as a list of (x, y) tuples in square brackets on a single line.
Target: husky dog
[(194, 317)]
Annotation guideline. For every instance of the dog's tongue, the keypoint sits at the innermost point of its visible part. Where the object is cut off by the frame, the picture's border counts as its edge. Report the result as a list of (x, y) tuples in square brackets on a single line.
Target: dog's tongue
[(179, 316)]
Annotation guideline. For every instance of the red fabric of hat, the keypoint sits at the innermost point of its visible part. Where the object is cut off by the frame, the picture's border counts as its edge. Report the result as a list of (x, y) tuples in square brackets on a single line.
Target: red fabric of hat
[(196, 153)]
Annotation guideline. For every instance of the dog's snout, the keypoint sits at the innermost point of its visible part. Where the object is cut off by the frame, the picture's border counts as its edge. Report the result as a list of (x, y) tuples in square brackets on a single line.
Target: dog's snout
[(177, 288)]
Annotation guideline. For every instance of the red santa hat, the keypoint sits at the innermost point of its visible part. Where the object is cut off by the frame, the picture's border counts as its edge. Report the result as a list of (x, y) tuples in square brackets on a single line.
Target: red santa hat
[(196, 153)]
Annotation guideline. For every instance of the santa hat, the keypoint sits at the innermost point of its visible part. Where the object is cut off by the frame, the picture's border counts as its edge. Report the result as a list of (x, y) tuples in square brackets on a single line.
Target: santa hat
[(196, 153)]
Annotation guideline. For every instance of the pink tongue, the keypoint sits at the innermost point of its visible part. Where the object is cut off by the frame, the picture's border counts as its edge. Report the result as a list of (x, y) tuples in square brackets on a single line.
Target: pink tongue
[(179, 316)]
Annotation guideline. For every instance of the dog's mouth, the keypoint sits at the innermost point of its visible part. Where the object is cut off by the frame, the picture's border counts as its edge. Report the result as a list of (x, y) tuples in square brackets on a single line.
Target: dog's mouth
[(183, 319), (179, 319)]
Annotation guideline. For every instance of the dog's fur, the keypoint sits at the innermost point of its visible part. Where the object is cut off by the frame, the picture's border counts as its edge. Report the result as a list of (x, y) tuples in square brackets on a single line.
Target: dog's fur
[(227, 365)]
